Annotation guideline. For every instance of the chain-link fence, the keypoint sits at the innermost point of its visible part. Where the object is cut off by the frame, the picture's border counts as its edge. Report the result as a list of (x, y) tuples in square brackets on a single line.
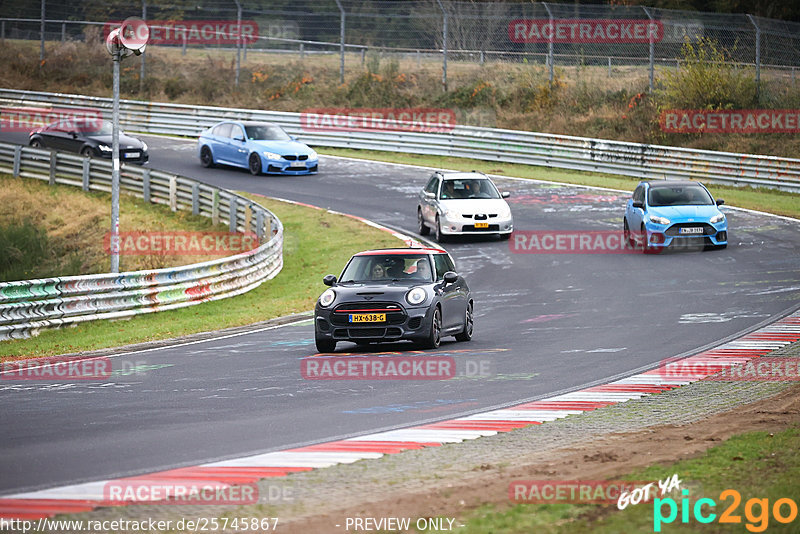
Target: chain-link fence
[(432, 32)]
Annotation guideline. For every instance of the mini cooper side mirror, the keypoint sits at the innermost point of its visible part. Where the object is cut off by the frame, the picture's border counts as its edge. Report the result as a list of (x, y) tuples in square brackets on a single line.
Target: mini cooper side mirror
[(720, 202), (639, 205), (450, 277), (329, 280), (505, 194)]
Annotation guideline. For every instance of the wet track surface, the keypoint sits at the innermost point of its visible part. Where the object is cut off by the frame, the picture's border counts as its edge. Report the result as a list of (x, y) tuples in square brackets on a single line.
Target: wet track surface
[(544, 323)]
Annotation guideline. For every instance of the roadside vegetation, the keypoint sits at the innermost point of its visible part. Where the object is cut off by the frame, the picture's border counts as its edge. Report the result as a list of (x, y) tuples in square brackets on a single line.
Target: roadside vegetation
[(758, 465), (583, 100), (59, 230), (307, 258)]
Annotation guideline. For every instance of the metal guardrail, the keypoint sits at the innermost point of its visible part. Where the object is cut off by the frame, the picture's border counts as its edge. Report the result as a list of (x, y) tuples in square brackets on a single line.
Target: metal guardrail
[(651, 162), (28, 306)]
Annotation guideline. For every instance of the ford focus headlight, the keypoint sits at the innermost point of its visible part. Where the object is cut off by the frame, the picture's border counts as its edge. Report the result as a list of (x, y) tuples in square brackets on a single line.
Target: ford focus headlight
[(416, 296), (717, 218), (658, 220), (272, 155), (327, 298)]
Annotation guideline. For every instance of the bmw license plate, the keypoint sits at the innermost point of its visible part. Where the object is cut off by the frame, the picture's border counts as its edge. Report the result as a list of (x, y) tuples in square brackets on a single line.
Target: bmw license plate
[(367, 317), (297, 165), (481, 225), (691, 230)]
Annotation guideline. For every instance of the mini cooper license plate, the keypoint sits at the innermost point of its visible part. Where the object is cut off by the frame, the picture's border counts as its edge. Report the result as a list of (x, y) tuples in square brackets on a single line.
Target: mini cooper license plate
[(692, 230), (367, 317), (481, 225)]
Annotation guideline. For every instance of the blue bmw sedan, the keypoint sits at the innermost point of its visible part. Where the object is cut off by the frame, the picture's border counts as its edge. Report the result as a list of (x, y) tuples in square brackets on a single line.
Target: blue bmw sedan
[(261, 147), (664, 213)]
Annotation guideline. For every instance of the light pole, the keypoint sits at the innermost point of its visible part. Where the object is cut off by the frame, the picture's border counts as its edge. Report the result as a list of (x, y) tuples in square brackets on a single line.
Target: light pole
[(130, 38)]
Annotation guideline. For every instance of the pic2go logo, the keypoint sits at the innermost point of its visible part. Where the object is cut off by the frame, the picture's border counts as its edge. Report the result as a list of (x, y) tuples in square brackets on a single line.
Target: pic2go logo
[(756, 511)]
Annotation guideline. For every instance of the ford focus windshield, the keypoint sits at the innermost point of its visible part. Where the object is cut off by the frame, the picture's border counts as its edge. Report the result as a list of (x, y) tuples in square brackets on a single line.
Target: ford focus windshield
[(685, 195), (388, 267)]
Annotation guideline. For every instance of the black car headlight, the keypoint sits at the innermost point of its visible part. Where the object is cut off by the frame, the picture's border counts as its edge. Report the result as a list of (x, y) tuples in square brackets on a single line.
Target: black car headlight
[(416, 296), (327, 298)]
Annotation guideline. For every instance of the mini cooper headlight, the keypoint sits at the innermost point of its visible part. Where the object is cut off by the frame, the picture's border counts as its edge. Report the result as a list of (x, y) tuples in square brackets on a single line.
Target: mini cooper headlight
[(327, 298), (658, 220), (416, 296), (272, 155), (717, 218)]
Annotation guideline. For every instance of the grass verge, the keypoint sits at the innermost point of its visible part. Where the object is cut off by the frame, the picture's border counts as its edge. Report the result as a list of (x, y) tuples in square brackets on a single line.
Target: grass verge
[(758, 465), (307, 258), (761, 199)]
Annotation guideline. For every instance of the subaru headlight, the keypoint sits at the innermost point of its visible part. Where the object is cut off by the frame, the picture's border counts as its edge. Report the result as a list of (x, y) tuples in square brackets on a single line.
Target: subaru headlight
[(505, 212), (445, 211), (416, 296), (327, 298), (658, 220), (272, 155), (717, 218), (104, 148)]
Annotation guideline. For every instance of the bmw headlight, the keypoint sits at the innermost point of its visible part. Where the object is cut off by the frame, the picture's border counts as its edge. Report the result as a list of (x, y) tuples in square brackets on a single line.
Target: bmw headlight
[(717, 218), (327, 298), (416, 296), (272, 155), (313, 155), (658, 220), (104, 148)]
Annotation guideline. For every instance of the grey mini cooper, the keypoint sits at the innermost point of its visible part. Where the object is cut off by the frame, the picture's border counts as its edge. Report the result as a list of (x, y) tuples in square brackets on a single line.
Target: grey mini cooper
[(394, 294)]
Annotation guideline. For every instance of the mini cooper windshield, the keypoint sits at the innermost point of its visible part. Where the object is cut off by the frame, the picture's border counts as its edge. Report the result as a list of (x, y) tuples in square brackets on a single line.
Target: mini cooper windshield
[(684, 195), (388, 267), (464, 189)]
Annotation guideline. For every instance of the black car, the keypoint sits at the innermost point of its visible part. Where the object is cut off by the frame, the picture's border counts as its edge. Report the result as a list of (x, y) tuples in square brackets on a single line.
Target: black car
[(392, 294), (90, 138)]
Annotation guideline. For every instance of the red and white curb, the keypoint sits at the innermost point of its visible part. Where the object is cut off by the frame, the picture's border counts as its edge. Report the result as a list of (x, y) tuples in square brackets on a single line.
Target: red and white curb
[(229, 473)]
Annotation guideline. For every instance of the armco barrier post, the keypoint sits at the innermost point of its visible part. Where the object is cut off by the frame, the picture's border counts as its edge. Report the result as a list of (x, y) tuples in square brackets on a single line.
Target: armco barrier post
[(52, 180), (195, 198), (17, 160), (232, 207), (173, 193), (85, 173)]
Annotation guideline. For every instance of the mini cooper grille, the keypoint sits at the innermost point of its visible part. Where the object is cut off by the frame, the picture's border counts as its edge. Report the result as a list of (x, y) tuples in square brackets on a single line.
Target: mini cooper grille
[(368, 333), (394, 312), (674, 230), (415, 323)]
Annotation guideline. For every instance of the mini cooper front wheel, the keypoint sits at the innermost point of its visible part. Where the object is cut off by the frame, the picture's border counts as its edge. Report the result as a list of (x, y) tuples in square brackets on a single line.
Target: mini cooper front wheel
[(434, 338), (325, 345), (466, 334)]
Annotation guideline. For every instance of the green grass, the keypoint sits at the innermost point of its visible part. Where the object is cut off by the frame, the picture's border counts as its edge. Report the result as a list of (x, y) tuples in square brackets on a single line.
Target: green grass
[(756, 464), (762, 199), (315, 243)]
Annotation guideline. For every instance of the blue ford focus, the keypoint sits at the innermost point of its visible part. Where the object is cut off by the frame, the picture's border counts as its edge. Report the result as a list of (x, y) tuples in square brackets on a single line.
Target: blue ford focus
[(664, 213), (261, 147)]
